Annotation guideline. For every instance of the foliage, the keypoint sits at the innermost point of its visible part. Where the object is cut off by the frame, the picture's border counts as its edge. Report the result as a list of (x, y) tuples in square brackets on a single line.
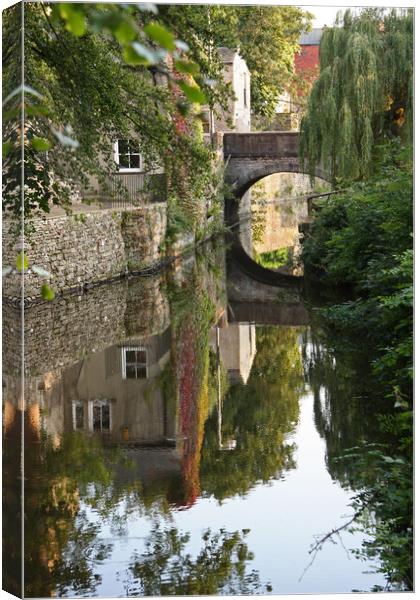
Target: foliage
[(273, 259), (301, 85), (358, 233), (368, 443), (258, 212), (192, 315), (364, 91), (387, 489), (363, 238), (258, 416), (165, 568), (267, 39), (61, 546), (101, 69), (201, 27)]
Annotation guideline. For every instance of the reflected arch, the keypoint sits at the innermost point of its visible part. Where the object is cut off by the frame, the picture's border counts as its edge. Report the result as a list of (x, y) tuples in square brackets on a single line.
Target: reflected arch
[(250, 157)]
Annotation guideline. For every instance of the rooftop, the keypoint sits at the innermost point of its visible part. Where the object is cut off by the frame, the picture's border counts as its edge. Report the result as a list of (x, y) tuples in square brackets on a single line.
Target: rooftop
[(227, 55)]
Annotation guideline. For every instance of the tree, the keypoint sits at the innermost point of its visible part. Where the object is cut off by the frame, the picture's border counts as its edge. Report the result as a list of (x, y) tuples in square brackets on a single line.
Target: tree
[(259, 416), (268, 41), (266, 37), (98, 68), (165, 568), (364, 91)]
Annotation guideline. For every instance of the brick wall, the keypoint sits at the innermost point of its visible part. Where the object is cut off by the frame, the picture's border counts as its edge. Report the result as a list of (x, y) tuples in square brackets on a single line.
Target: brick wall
[(307, 59)]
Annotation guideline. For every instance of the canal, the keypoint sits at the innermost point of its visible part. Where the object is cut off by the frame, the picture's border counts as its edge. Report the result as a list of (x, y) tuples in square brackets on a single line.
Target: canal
[(182, 436)]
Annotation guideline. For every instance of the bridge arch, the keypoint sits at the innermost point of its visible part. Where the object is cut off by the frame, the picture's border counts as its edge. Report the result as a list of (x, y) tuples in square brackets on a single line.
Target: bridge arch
[(243, 173), (250, 157)]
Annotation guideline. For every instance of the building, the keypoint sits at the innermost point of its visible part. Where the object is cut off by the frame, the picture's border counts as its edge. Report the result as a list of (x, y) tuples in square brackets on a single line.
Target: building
[(129, 180), (291, 104), (307, 61), (237, 117)]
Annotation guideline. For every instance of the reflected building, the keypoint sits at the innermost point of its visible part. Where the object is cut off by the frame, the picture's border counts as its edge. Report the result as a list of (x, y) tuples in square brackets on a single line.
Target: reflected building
[(236, 344), (116, 392)]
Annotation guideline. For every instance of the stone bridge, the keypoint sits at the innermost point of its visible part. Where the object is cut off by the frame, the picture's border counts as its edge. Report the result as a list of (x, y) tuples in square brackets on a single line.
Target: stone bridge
[(252, 156)]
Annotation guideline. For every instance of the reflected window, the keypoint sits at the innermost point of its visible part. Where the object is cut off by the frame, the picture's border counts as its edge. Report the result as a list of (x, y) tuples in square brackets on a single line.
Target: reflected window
[(78, 415), (99, 415), (127, 155), (134, 363)]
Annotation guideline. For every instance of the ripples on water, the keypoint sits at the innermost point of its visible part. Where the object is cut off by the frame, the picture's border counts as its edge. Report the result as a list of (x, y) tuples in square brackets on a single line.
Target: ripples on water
[(179, 439)]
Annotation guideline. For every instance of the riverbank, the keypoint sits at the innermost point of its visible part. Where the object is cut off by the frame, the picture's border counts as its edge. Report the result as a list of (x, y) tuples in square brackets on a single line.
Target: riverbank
[(87, 249)]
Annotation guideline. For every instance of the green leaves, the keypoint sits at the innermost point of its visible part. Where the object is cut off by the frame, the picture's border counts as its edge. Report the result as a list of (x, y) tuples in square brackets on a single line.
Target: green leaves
[(6, 147), (188, 67), (193, 93), (40, 144), (159, 34), (74, 17), (365, 75), (47, 293), (125, 32), (22, 262)]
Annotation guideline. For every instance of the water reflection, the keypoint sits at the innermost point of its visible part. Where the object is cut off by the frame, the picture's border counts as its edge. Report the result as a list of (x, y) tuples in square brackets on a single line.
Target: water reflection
[(343, 398), (151, 399), (257, 417)]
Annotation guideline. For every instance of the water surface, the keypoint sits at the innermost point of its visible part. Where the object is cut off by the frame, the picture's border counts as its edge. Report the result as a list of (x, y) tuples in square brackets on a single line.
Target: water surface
[(175, 445)]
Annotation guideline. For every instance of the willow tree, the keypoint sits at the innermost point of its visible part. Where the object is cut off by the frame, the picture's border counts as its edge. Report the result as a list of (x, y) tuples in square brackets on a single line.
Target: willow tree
[(364, 91)]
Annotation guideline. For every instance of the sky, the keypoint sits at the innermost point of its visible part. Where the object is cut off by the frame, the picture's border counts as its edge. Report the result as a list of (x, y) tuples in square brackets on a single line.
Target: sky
[(324, 15)]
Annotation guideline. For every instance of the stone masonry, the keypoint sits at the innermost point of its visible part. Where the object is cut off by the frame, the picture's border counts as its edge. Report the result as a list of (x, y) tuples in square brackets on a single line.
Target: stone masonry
[(84, 250)]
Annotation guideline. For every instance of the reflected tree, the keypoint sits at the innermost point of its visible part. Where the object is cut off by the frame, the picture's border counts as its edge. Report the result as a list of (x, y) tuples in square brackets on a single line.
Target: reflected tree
[(61, 545), (367, 450), (167, 568), (345, 407), (193, 312), (258, 416)]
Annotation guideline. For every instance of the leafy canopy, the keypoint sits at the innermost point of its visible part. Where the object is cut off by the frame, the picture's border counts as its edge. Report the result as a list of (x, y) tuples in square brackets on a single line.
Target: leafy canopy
[(100, 68), (266, 37), (364, 91)]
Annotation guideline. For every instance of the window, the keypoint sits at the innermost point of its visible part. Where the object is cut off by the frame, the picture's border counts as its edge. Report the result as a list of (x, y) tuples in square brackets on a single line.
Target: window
[(127, 155), (134, 362), (99, 415), (245, 92), (78, 415)]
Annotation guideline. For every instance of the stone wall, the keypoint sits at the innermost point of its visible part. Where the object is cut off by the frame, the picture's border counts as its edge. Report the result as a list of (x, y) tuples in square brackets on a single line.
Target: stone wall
[(86, 249), (279, 205), (62, 332)]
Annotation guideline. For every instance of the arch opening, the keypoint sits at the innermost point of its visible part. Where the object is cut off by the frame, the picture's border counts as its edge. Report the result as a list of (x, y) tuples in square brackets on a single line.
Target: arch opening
[(268, 213)]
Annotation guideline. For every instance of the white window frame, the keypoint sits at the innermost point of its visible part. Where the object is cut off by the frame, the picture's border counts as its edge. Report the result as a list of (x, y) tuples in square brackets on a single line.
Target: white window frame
[(124, 349), (126, 169), (74, 405), (101, 403)]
